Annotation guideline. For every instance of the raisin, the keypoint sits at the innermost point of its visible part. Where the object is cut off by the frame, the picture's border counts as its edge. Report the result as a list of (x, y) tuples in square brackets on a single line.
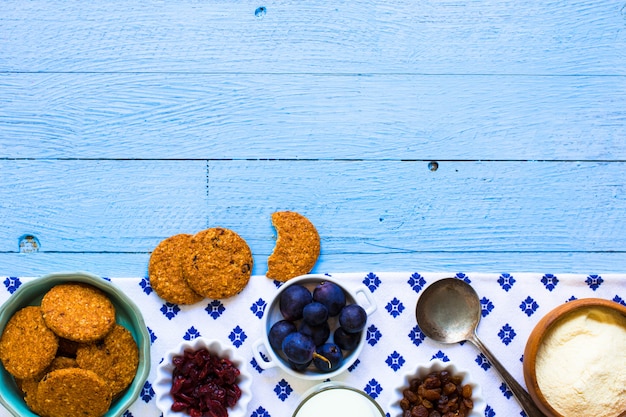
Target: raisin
[(419, 411), (414, 383), (439, 394), (432, 382), (427, 404), (449, 388), (405, 404), (432, 394), (467, 402), (410, 396)]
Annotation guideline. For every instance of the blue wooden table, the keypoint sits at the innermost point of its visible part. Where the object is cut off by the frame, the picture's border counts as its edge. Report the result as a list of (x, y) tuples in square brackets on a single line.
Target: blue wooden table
[(122, 123), (477, 135), (434, 136)]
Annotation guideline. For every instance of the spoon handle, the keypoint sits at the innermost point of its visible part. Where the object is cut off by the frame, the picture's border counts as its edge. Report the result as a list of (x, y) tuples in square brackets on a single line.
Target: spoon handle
[(520, 393)]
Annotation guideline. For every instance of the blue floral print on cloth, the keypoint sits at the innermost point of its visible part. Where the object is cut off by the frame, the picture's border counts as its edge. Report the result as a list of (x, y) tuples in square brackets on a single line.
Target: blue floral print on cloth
[(512, 303)]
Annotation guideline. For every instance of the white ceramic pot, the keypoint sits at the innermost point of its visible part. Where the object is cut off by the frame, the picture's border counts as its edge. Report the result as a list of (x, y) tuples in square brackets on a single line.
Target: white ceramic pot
[(267, 358)]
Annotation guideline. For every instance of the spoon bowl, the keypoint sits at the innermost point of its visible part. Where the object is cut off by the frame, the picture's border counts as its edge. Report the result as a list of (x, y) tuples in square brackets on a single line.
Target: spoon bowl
[(449, 311)]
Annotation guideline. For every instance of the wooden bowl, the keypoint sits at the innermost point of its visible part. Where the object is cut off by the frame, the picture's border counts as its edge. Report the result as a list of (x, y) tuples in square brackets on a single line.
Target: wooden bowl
[(548, 323)]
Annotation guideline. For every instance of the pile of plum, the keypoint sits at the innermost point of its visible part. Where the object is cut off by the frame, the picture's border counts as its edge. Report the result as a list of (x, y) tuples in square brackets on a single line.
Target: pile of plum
[(317, 327)]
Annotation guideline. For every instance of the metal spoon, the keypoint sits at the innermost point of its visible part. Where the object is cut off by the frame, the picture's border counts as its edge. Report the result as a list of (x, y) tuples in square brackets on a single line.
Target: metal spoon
[(448, 311)]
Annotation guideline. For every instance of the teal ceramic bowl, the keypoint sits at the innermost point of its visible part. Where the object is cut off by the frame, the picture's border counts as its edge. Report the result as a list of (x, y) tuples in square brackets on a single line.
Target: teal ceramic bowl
[(126, 313)]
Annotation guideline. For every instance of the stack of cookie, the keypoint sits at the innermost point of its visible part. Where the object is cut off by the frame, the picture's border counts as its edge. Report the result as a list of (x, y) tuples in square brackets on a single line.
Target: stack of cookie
[(217, 263), (68, 355), (214, 263)]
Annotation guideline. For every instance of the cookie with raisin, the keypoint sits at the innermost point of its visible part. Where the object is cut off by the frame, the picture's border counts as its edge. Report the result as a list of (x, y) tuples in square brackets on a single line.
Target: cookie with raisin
[(219, 263), (115, 358), (73, 392), (29, 386), (165, 270), (78, 312), (27, 345)]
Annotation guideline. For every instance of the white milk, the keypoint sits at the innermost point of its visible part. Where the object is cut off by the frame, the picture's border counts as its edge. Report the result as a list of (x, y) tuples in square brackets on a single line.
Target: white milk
[(338, 402)]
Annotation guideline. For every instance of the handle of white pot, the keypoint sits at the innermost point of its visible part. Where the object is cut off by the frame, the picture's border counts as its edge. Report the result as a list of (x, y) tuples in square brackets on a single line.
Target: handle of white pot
[(264, 362), (370, 305)]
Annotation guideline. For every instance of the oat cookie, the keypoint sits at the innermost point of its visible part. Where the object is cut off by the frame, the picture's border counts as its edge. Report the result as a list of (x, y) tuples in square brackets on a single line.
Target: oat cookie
[(29, 386), (115, 358), (78, 312), (62, 362), (73, 392), (27, 346), (219, 264), (297, 246), (29, 390), (165, 270)]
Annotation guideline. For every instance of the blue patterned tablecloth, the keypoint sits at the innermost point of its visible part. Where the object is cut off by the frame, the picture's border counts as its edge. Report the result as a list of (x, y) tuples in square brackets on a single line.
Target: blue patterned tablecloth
[(512, 304)]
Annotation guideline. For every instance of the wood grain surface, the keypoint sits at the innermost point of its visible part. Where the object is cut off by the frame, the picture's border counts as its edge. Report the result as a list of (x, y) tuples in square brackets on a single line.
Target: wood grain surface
[(124, 122)]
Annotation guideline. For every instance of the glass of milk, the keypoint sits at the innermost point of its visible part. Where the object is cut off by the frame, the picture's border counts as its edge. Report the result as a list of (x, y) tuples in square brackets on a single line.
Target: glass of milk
[(333, 399)]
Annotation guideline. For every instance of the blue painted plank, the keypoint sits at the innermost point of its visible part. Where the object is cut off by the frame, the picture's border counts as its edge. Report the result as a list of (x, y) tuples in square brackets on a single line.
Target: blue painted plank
[(78, 206), (360, 36), (380, 215), (295, 116), (383, 207)]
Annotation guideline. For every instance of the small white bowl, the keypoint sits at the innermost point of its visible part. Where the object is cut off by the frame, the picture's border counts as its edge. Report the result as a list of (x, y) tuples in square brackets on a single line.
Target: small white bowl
[(163, 383), (270, 358), (437, 365)]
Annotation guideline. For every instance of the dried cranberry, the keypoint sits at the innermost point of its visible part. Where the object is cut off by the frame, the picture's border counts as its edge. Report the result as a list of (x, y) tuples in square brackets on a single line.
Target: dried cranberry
[(177, 384), (203, 384), (179, 406)]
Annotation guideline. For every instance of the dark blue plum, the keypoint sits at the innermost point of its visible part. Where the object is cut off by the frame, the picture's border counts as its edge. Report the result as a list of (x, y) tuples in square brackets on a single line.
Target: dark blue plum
[(315, 313), (319, 334), (328, 357), (345, 340), (279, 331), (292, 301), (352, 318), (331, 295), (298, 348), (299, 366)]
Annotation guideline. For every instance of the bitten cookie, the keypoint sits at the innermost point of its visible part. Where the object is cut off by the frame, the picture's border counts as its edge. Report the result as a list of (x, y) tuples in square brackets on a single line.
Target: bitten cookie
[(27, 346), (297, 246), (219, 264), (165, 270), (115, 358), (73, 392), (78, 312)]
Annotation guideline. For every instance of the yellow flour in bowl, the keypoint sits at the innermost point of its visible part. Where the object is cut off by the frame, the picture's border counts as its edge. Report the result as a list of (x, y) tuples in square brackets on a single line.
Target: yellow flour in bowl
[(581, 363)]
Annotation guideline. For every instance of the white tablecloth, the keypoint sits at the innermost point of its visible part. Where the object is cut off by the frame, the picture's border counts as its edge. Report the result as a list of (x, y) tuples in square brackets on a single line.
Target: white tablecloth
[(512, 304)]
